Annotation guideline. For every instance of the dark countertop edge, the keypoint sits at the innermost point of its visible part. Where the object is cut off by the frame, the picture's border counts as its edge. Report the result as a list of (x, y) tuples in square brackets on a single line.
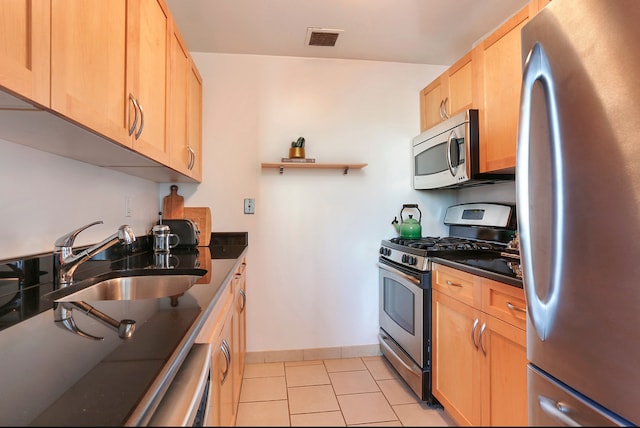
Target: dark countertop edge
[(143, 413), (479, 272)]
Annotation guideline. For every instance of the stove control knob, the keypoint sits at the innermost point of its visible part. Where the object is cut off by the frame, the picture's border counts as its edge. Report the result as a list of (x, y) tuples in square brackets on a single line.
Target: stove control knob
[(382, 251), (404, 258), (412, 260)]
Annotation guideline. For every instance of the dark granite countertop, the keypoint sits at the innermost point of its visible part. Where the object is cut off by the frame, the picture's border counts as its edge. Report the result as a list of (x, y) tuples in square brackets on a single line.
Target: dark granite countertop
[(486, 266), (126, 378)]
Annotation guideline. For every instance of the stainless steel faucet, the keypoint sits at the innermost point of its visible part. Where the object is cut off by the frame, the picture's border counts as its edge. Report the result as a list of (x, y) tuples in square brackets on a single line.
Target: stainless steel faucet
[(66, 262)]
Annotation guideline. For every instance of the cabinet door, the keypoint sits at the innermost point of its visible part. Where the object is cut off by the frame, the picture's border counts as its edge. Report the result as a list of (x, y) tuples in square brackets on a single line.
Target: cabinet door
[(24, 42), (222, 411), (88, 65), (504, 374), (148, 38), (431, 100), (499, 81), (460, 86), (194, 121), (456, 366), (240, 329)]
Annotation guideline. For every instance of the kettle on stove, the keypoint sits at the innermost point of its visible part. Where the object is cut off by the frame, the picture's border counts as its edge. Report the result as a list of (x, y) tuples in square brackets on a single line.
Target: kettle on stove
[(409, 228)]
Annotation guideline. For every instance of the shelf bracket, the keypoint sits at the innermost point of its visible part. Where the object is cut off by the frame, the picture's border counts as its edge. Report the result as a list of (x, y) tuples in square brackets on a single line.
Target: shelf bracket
[(346, 170), (281, 169)]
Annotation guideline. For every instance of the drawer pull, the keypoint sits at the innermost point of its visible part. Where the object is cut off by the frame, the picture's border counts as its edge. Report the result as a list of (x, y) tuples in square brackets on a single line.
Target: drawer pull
[(473, 333), (515, 308), (455, 284)]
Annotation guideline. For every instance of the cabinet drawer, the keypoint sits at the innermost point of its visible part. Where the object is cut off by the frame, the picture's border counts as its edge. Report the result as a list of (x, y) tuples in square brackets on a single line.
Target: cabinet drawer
[(504, 302), (457, 284)]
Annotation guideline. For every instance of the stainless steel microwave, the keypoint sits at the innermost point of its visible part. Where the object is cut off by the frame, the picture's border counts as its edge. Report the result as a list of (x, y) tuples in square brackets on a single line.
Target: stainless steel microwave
[(448, 155)]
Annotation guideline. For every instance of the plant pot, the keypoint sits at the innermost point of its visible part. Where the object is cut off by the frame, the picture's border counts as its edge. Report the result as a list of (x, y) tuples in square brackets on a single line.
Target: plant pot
[(296, 152)]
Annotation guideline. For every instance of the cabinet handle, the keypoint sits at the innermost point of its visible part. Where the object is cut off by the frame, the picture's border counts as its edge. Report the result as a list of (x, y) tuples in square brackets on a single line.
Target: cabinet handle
[(192, 158), (455, 284), (473, 333), (135, 120), (141, 121), (227, 356), (444, 108), (442, 118), (516, 308), (482, 329), (244, 299)]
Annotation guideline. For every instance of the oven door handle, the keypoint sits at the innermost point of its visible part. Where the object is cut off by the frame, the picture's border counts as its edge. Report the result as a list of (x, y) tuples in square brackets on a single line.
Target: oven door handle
[(397, 272)]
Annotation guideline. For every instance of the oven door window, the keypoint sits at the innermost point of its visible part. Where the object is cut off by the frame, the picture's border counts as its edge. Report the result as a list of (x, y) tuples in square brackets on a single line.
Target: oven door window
[(399, 304)]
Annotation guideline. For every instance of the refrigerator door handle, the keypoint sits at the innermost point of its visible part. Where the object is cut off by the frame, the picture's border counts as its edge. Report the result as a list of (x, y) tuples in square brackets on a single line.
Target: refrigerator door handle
[(557, 410), (542, 313)]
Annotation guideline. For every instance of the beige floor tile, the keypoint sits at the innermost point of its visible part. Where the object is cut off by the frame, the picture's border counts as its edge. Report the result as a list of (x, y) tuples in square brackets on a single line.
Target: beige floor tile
[(344, 365), (263, 370), (302, 363), (263, 413), (314, 374), (263, 389), (353, 382), (309, 399), (397, 392), (420, 415), (380, 424), (366, 408), (323, 419), (380, 368)]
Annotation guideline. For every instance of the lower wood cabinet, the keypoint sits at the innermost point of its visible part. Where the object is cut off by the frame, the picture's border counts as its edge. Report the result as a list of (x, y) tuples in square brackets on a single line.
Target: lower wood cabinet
[(226, 330), (479, 349)]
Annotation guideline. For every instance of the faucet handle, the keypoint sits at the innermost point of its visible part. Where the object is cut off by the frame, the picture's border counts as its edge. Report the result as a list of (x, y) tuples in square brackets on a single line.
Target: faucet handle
[(66, 241)]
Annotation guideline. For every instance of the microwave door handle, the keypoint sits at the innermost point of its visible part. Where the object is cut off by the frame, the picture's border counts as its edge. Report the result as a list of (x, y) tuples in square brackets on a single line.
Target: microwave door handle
[(542, 312), (449, 160)]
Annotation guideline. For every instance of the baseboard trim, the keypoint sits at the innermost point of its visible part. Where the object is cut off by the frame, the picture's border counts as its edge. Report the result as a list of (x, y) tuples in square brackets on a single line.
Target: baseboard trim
[(258, 357)]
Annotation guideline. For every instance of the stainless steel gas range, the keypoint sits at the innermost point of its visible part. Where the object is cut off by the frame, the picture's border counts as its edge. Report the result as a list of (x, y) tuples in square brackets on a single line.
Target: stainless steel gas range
[(481, 240)]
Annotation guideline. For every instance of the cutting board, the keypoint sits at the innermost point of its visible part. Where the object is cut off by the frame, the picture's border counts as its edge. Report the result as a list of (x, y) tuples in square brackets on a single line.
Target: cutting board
[(173, 205), (202, 217)]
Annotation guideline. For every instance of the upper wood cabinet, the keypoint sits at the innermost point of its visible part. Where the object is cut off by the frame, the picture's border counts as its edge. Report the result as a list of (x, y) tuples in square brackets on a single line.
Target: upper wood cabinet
[(25, 43), (89, 65), (499, 78), (148, 35), (451, 93), (109, 68), (185, 110)]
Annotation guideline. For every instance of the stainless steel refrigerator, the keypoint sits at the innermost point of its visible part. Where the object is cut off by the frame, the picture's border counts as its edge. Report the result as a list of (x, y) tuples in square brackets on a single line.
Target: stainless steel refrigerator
[(578, 198)]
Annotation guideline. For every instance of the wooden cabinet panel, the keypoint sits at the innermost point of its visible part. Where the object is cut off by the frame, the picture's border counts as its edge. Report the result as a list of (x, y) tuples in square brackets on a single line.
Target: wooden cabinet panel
[(451, 93), (504, 374), (499, 80), (88, 65), (222, 409), (194, 121), (185, 110), (148, 39), (456, 376), (479, 349), (457, 284), (25, 45), (239, 329)]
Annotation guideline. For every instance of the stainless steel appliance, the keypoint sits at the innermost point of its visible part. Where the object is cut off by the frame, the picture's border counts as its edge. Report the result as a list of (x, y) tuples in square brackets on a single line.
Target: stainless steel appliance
[(448, 155), (578, 187), (480, 234), (188, 399)]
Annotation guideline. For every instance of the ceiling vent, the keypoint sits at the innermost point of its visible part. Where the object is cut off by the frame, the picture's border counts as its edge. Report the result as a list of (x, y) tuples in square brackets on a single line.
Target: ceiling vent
[(322, 36)]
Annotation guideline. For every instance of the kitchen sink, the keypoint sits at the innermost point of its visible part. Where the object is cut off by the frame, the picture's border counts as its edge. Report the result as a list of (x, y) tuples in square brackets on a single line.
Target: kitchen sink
[(134, 288)]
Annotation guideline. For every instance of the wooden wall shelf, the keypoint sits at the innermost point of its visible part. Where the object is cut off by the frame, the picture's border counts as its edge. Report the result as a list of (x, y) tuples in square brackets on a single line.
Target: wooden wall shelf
[(343, 166)]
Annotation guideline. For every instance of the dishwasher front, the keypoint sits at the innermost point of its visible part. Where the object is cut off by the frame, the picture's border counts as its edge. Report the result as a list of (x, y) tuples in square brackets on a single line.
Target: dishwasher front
[(187, 400)]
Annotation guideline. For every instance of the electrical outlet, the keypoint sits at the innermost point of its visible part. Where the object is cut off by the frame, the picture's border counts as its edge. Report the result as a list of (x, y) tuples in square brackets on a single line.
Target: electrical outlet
[(249, 206), (128, 209)]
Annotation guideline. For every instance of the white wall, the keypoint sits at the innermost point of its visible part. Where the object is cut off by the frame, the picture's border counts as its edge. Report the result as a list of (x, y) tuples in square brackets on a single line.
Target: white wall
[(45, 196), (315, 236)]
